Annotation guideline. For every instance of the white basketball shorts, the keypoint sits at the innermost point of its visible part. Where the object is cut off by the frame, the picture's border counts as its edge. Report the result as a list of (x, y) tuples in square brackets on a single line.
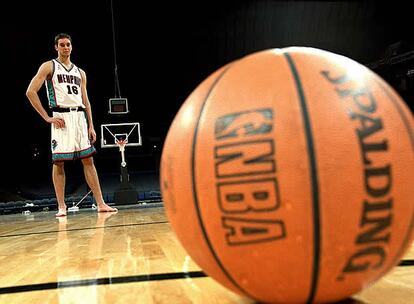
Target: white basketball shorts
[(71, 142)]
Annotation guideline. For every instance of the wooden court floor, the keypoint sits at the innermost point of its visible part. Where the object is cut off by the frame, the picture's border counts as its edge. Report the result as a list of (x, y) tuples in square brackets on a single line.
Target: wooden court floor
[(128, 257)]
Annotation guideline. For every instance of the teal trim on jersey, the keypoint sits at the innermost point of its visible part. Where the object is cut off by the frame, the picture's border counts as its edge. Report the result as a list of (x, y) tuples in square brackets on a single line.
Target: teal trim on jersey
[(51, 94), (49, 86), (73, 155)]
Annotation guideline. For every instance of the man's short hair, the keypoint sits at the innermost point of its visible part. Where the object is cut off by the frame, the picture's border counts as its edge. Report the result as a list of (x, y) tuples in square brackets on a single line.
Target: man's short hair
[(62, 35)]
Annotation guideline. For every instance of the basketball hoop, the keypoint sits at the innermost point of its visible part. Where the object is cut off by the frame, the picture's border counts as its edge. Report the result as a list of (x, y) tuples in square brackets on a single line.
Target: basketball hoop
[(121, 144)]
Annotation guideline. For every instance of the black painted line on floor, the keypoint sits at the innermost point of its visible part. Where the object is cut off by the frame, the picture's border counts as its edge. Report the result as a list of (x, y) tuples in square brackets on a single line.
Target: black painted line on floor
[(103, 281), (119, 280), (406, 263), (79, 229)]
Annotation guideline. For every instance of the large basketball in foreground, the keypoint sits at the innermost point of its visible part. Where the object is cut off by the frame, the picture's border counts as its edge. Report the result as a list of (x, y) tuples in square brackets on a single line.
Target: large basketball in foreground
[(288, 176)]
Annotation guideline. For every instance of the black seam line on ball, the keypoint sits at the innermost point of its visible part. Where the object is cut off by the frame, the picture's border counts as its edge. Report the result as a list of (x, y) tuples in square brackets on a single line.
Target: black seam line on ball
[(195, 195), (313, 177)]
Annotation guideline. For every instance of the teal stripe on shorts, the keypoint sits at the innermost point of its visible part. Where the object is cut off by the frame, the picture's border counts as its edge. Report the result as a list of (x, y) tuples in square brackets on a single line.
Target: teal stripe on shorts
[(73, 155)]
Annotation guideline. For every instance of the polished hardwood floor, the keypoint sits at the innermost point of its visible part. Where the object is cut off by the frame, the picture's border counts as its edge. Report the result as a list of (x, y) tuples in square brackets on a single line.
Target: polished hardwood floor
[(128, 257)]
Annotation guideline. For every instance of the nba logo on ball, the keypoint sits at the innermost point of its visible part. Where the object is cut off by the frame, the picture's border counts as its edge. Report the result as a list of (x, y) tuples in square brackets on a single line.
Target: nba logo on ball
[(288, 176)]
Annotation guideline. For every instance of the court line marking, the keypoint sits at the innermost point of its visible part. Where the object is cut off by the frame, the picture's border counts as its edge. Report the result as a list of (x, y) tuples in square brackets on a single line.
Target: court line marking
[(79, 229), (406, 263), (119, 280), (103, 281)]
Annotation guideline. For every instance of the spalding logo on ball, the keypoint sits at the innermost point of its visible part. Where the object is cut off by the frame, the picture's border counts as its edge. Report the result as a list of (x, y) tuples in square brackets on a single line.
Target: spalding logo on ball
[(288, 176)]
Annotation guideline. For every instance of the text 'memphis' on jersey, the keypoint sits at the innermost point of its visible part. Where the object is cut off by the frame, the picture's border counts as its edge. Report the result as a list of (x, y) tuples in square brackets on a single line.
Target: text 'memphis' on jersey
[(64, 87)]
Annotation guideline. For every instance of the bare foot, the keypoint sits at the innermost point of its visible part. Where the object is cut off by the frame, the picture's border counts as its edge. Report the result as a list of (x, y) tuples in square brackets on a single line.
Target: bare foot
[(61, 212), (105, 208)]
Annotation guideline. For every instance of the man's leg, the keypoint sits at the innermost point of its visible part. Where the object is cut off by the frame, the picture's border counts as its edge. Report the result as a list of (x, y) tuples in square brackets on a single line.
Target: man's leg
[(92, 179), (58, 176)]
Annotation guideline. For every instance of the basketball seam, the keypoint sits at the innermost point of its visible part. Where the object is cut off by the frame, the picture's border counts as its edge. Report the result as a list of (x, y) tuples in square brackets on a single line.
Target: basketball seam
[(313, 176), (411, 136), (194, 188)]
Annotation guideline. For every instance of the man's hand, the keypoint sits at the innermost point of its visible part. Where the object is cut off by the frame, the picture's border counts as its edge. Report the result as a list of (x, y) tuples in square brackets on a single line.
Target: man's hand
[(92, 134), (58, 122)]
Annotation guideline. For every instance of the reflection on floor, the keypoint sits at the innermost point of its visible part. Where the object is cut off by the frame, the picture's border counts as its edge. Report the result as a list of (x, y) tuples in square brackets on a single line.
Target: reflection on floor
[(128, 257)]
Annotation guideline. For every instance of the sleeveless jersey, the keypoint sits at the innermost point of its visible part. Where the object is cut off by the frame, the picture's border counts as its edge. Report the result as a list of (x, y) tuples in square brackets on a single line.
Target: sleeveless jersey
[(64, 87)]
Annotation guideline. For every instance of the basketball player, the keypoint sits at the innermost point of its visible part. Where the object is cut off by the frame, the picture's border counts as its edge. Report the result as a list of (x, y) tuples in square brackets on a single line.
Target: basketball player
[(73, 133)]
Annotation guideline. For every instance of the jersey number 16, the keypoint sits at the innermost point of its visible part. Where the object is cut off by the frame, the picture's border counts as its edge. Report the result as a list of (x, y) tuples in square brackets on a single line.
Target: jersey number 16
[(72, 90)]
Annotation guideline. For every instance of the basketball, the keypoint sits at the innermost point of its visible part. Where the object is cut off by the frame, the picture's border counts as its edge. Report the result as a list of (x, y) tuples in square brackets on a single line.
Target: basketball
[(288, 176)]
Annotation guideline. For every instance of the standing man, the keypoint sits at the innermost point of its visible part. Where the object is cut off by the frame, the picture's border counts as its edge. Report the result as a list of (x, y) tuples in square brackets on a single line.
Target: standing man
[(73, 133)]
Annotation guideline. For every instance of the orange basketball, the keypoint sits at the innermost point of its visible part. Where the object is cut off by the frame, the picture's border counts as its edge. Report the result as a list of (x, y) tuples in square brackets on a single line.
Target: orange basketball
[(288, 176)]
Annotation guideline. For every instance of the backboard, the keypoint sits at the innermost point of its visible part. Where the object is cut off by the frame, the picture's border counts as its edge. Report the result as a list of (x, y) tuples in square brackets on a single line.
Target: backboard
[(130, 132)]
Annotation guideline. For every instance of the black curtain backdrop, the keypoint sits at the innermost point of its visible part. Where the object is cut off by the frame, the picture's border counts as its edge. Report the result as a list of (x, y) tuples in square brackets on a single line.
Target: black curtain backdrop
[(164, 50)]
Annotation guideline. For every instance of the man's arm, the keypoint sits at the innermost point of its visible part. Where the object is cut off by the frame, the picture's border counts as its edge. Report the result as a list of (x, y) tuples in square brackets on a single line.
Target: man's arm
[(34, 87), (88, 109)]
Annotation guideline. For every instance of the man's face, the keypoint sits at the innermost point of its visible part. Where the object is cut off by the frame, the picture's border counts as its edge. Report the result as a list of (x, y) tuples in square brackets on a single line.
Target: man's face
[(64, 47)]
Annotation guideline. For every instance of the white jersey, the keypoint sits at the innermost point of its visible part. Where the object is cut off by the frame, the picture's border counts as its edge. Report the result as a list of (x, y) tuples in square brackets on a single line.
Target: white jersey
[(64, 88)]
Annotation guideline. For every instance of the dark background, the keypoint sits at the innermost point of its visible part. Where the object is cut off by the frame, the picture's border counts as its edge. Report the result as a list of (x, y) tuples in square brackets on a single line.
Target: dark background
[(164, 50)]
